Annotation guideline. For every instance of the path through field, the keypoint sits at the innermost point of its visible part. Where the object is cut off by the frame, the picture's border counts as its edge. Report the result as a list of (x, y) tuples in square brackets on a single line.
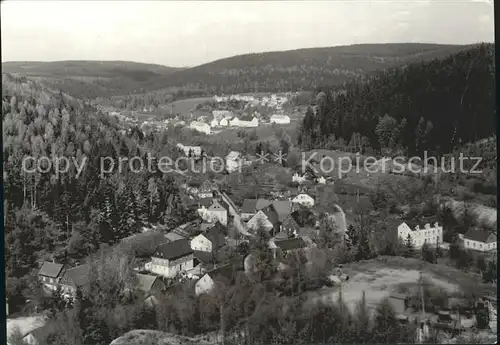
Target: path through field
[(377, 284)]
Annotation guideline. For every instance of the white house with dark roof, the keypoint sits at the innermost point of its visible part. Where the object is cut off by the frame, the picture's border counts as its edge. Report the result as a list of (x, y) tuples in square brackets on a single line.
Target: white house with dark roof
[(171, 258), (217, 211), (50, 274), (432, 235), (207, 282), (149, 283), (289, 246), (73, 278), (480, 240)]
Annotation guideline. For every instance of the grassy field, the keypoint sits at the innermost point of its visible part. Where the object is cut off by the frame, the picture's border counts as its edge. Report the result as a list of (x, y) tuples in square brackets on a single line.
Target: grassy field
[(378, 278), (184, 106)]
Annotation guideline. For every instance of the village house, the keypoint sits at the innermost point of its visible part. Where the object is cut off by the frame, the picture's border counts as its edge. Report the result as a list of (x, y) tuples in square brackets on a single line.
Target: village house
[(203, 204), (289, 226), (234, 161), (304, 200), (267, 218), (171, 258), (206, 283), (224, 122), (200, 127), (248, 121), (289, 246), (50, 274), (279, 119), (217, 211), (190, 151), (74, 278), (480, 240), (214, 123), (419, 236), (209, 241)]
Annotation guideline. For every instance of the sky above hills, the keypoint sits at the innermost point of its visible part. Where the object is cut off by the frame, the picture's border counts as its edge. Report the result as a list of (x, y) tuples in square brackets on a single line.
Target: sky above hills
[(189, 33)]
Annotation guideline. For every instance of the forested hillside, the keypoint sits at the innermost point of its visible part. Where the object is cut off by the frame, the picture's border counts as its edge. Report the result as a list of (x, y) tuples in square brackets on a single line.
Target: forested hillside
[(90, 79), (436, 105), (68, 216), (301, 69)]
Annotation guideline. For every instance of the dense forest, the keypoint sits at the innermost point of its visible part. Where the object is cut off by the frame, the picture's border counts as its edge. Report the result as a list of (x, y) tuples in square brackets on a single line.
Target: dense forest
[(302, 69), (435, 105), (91, 79), (68, 215)]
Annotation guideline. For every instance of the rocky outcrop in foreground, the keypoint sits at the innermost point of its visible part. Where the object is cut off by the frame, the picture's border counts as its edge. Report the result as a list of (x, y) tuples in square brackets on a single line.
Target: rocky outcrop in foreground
[(150, 337)]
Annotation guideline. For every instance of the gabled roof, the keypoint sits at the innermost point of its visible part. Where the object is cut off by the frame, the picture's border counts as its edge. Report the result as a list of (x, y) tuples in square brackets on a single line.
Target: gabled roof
[(51, 269), (480, 236), (145, 281), (218, 205), (271, 214), (289, 221), (203, 257), (291, 244), (173, 250), (283, 208), (77, 276), (253, 205)]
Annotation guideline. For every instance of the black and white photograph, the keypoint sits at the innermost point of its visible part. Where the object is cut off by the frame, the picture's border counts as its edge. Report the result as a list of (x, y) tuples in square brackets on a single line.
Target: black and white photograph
[(249, 172)]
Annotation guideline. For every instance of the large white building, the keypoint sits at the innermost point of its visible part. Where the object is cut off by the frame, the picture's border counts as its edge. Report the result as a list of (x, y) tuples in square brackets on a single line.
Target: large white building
[(171, 258), (480, 240), (430, 235), (200, 127)]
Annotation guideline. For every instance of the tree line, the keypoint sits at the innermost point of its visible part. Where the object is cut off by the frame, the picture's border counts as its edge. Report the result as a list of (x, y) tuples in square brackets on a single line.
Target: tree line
[(430, 106), (68, 215)]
